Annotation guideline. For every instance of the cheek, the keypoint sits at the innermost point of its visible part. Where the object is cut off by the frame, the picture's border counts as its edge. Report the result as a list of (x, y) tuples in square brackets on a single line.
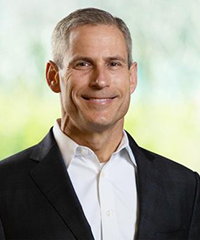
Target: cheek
[(78, 83), (123, 83), (73, 89)]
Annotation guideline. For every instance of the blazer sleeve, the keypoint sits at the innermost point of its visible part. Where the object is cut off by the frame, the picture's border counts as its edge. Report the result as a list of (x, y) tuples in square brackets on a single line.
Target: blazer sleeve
[(2, 235), (194, 232)]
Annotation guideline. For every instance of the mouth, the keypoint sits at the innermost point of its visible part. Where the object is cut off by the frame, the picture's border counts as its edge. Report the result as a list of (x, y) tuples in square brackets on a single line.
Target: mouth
[(97, 100)]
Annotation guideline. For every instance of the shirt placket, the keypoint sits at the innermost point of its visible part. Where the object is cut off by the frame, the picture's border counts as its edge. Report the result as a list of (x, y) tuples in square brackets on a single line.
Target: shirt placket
[(107, 207)]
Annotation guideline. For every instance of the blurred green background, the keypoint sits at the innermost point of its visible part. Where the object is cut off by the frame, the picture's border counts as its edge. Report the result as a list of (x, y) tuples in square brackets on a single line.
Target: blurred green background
[(164, 115)]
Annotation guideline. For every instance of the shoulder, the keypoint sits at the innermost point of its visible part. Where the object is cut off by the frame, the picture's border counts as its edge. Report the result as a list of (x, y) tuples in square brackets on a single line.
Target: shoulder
[(16, 162), (167, 169), (176, 179), (15, 170), (33, 152), (17, 157)]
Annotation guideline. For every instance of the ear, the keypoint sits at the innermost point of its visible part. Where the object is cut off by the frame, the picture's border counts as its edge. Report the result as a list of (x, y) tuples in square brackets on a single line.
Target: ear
[(52, 76), (133, 77)]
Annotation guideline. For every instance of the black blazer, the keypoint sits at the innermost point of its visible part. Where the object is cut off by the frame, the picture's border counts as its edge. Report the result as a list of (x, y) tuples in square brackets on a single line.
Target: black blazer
[(38, 201)]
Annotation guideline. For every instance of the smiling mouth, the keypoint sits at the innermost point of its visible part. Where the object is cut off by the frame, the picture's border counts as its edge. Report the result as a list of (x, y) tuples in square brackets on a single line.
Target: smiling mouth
[(98, 100)]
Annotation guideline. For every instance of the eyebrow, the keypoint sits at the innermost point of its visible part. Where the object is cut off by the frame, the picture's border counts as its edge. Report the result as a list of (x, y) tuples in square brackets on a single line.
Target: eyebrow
[(117, 57), (88, 59)]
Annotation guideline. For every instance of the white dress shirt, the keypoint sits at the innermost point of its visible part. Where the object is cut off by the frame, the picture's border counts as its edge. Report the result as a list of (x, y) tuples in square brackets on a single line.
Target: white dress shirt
[(107, 191)]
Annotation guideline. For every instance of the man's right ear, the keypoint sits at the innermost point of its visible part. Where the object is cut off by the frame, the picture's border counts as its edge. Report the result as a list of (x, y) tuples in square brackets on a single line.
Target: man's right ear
[(52, 76)]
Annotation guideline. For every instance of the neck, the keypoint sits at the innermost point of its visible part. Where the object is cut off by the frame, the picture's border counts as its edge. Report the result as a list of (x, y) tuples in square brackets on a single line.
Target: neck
[(103, 143)]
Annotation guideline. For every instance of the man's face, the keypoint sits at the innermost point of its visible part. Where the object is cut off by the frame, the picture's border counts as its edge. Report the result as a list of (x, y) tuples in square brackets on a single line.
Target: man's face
[(95, 82)]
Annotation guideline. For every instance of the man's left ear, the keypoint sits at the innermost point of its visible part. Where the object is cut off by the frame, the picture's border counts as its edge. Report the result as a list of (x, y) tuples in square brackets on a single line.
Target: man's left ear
[(52, 76), (133, 77)]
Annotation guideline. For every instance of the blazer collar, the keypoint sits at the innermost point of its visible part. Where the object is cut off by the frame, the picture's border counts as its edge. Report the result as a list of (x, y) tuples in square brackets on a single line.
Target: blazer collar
[(149, 188), (52, 178)]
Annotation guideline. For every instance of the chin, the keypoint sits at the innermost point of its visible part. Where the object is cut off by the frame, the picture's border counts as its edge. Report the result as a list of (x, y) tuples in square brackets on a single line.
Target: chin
[(101, 125)]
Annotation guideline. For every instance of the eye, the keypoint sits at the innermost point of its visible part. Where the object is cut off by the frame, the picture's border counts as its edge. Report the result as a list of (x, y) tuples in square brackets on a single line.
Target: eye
[(115, 64), (82, 65)]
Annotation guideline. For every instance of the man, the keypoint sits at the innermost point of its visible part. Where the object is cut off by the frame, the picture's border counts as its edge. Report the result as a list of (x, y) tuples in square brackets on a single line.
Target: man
[(88, 179)]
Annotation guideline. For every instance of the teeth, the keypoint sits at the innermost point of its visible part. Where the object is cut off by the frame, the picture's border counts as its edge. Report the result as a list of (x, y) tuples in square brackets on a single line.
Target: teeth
[(99, 99)]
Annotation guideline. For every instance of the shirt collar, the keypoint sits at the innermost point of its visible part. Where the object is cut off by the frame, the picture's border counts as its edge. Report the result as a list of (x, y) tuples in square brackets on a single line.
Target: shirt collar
[(68, 147), (125, 145)]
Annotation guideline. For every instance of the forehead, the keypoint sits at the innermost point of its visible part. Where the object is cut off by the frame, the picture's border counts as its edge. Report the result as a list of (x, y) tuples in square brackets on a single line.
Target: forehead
[(96, 39)]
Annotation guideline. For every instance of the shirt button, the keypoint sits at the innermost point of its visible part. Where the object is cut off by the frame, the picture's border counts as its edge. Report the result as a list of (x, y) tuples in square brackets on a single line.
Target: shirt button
[(103, 174), (84, 151), (108, 213)]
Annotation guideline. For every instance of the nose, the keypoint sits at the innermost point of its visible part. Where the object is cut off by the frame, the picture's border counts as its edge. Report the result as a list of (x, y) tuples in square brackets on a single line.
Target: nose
[(100, 78)]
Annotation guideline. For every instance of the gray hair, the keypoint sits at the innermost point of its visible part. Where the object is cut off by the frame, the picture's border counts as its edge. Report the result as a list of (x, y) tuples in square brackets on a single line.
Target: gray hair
[(80, 17)]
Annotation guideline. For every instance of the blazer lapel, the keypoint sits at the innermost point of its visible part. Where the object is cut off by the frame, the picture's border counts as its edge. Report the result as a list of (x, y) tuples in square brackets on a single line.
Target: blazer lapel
[(149, 188), (52, 178)]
